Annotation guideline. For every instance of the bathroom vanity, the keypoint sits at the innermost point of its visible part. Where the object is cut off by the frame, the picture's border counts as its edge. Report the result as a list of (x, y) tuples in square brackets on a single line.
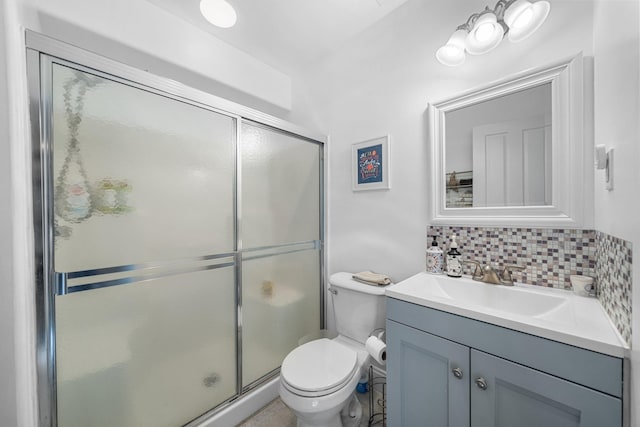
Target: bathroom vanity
[(464, 353)]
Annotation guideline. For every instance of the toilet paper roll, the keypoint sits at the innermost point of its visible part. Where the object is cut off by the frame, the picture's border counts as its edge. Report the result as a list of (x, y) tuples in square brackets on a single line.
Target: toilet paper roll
[(377, 349)]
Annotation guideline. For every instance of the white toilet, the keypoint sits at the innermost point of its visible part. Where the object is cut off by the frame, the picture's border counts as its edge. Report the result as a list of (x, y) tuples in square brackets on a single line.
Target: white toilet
[(318, 379)]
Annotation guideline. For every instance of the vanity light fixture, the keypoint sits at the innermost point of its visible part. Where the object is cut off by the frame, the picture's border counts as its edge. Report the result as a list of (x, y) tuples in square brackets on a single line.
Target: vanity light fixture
[(483, 31), (219, 13)]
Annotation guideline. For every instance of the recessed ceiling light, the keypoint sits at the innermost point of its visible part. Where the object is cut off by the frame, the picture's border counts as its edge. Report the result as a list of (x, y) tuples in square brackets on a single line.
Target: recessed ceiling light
[(219, 13)]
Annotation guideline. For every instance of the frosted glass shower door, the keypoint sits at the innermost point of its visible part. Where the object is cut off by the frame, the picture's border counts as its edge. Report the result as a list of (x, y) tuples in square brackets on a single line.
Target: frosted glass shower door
[(281, 257), (142, 189)]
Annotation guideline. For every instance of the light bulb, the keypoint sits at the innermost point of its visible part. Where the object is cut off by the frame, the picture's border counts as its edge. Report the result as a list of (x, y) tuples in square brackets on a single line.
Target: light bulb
[(485, 35), (452, 53), (484, 31), (524, 18)]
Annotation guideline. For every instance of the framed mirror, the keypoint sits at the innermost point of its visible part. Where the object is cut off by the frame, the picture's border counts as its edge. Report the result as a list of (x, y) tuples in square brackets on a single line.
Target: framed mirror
[(516, 152)]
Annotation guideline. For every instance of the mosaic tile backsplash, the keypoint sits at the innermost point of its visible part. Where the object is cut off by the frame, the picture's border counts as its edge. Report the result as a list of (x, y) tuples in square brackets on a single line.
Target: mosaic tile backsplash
[(613, 278), (550, 256)]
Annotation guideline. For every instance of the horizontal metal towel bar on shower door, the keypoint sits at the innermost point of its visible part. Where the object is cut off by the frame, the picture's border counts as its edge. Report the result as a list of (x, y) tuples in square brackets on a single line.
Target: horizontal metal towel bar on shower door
[(79, 281)]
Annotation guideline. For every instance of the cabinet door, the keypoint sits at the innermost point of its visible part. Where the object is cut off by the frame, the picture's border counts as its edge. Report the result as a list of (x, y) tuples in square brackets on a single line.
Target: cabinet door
[(422, 387), (507, 394)]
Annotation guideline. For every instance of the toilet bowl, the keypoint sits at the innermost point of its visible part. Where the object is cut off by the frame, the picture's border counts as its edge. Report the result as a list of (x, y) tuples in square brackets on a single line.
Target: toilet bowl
[(318, 379), (318, 382)]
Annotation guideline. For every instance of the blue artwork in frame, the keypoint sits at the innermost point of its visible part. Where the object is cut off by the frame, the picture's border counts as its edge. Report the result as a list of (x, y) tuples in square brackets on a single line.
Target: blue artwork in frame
[(371, 164)]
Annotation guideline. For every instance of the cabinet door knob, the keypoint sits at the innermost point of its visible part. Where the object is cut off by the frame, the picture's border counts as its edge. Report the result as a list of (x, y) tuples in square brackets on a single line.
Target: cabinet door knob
[(481, 383), (457, 372)]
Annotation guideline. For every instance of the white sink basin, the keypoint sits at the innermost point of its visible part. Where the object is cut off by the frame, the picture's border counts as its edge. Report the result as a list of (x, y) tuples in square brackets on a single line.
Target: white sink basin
[(550, 313), (516, 300)]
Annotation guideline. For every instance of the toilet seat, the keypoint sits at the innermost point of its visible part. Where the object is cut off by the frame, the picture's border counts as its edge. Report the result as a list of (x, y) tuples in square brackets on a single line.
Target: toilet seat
[(318, 368)]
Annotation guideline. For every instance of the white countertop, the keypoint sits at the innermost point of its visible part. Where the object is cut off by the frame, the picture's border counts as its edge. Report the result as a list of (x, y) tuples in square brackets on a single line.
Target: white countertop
[(554, 314)]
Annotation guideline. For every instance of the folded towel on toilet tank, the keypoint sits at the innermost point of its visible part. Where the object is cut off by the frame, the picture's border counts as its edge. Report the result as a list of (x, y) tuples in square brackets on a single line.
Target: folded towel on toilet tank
[(371, 278)]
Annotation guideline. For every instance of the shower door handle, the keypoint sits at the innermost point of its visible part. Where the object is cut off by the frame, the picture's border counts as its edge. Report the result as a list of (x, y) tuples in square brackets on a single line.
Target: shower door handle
[(64, 283)]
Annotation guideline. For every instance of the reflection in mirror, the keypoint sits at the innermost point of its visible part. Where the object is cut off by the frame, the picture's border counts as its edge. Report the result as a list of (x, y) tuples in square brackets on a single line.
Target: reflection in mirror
[(498, 151)]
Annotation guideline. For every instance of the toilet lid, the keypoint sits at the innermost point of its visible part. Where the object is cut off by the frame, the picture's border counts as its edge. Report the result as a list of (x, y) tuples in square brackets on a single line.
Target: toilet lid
[(319, 365)]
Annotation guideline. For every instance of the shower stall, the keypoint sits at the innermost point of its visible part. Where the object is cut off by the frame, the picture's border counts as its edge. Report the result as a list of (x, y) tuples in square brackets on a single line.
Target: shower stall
[(179, 243)]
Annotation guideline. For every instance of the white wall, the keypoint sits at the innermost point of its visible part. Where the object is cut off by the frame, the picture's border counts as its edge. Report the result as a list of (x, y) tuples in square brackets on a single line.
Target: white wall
[(17, 370), (8, 415), (380, 83), (617, 112), (141, 34)]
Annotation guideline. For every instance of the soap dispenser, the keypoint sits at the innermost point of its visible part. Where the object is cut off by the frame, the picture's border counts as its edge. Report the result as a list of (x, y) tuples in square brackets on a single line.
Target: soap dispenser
[(435, 257), (454, 259)]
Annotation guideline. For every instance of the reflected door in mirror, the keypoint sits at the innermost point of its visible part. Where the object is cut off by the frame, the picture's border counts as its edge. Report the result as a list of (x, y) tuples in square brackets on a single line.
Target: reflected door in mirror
[(512, 163)]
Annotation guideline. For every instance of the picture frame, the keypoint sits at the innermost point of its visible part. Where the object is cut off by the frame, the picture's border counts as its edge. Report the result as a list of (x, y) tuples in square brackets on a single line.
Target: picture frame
[(370, 164)]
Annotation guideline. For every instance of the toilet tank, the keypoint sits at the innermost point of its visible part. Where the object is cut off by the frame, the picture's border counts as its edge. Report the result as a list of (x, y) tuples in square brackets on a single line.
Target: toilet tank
[(359, 308)]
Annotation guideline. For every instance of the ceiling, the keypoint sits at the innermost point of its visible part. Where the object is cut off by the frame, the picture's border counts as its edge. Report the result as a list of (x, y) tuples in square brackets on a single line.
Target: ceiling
[(288, 34)]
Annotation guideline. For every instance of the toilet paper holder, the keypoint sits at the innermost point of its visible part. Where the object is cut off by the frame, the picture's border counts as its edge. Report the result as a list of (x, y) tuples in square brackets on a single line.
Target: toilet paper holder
[(376, 346), (381, 334)]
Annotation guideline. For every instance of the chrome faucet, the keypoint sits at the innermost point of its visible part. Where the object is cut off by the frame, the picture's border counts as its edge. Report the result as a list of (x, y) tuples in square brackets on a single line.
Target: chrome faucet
[(489, 274)]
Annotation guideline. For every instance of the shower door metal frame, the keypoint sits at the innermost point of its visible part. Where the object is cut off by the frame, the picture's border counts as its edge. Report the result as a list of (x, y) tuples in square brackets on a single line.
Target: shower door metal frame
[(42, 53)]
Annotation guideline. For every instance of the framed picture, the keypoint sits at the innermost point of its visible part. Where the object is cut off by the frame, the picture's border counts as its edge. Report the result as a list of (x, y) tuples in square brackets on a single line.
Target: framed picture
[(370, 164)]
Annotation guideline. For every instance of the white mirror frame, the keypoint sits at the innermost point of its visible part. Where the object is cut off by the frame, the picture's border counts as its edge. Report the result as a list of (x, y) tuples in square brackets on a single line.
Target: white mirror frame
[(572, 151)]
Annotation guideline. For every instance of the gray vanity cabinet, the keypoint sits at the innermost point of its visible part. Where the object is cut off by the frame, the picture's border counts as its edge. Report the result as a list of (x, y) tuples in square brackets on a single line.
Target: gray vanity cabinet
[(445, 370), (504, 393), (427, 379)]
